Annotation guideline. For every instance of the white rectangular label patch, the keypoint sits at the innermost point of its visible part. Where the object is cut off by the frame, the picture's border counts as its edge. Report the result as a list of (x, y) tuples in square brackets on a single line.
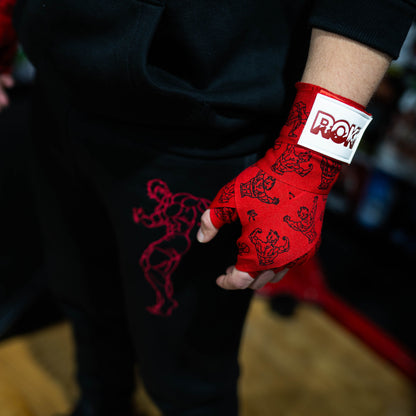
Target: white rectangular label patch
[(334, 128)]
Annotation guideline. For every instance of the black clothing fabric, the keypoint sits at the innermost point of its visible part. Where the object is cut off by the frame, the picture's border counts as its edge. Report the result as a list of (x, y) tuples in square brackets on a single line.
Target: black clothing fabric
[(221, 70), (147, 108), (119, 220), (380, 24), (208, 68)]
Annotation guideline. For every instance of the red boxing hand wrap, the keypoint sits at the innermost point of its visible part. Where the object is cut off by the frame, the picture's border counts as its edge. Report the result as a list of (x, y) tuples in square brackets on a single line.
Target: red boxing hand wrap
[(280, 200), (8, 37)]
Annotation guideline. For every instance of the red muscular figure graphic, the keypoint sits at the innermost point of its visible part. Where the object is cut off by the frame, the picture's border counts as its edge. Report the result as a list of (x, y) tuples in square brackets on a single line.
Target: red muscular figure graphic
[(178, 213), (290, 161), (268, 250), (306, 225)]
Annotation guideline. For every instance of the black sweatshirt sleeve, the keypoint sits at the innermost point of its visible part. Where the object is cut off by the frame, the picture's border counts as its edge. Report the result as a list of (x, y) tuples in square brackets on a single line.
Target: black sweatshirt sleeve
[(380, 24)]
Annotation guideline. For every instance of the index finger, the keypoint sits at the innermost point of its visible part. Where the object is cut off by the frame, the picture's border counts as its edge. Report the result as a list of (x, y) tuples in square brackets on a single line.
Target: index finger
[(207, 230)]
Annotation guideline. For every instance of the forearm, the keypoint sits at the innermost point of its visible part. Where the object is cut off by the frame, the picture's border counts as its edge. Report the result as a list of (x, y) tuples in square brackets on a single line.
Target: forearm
[(344, 66)]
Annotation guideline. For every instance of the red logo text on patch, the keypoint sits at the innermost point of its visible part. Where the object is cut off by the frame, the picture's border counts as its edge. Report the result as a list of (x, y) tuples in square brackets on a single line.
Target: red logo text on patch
[(339, 131)]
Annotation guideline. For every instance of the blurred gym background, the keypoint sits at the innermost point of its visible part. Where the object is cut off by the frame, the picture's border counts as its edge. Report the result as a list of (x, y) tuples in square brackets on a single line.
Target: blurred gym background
[(366, 260)]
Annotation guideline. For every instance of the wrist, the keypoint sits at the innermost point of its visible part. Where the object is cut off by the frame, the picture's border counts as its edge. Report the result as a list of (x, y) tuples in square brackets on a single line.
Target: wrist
[(322, 132), (325, 122)]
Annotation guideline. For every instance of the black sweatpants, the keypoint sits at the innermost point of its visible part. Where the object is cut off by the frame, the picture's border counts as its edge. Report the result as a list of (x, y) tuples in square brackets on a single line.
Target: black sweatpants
[(119, 217)]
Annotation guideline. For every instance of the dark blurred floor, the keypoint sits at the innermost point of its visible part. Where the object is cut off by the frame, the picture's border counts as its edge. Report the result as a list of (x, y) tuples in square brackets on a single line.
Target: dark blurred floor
[(307, 365)]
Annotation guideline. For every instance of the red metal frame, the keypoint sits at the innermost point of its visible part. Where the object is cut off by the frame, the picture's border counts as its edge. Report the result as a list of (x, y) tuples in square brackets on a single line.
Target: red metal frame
[(307, 283)]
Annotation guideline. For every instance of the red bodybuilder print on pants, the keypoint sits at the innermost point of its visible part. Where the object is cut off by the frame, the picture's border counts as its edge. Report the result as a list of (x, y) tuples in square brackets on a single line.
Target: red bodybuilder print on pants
[(178, 214)]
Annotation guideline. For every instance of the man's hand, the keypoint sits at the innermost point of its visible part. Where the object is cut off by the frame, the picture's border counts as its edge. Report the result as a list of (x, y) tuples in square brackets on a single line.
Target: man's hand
[(282, 228), (6, 82), (280, 200), (233, 278)]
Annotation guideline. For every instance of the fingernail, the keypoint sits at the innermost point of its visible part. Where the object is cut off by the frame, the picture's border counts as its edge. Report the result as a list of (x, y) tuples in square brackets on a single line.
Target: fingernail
[(200, 236)]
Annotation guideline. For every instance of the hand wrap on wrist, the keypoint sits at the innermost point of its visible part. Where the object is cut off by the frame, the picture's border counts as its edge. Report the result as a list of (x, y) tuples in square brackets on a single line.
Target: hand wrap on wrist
[(8, 37), (280, 200)]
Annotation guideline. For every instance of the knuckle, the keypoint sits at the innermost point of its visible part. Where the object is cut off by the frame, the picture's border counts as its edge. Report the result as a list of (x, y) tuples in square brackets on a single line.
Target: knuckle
[(241, 282), (240, 285)]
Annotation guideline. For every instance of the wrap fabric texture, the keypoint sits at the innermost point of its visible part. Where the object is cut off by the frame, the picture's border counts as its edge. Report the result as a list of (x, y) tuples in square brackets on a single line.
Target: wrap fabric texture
[(280, 200), (8, 37)]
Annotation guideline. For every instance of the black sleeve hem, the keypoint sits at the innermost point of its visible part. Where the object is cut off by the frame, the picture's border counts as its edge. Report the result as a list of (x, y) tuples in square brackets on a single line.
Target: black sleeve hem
[(380, 24)]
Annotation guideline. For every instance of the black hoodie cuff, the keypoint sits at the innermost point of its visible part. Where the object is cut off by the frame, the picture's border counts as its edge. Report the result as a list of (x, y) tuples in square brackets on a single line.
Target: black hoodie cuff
[(380, 24)]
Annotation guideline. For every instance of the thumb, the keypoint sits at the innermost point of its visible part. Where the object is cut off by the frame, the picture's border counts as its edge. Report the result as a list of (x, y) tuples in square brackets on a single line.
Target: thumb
[(207, 231)]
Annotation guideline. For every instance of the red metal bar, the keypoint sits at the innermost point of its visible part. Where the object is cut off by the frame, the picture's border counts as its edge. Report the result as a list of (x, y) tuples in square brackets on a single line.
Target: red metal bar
[(307, 283)]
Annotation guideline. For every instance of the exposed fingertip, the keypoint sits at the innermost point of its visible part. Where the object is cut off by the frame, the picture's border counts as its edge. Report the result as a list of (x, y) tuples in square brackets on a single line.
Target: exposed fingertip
[(207, 231), (220, 281), (200, 236)]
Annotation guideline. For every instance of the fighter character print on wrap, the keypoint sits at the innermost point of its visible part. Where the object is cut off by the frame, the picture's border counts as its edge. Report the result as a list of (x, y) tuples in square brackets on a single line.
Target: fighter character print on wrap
[(258, 187), (251, 214), (306, 224), (178, 214), (267, 250), (243, 248), (297, 117), (330, 169), (292, 160), (227, 192), (305, 257), (226, 214)]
